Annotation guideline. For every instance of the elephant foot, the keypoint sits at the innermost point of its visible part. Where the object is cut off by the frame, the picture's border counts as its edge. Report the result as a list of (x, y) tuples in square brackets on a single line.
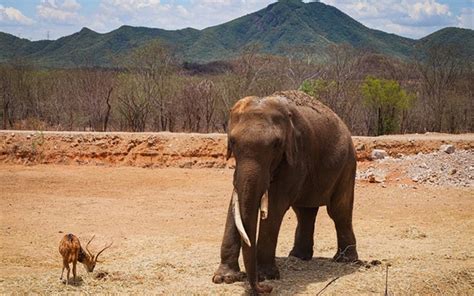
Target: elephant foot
[(346, 254), (225, 274), (303, 255), (260, 289), (268, 272)]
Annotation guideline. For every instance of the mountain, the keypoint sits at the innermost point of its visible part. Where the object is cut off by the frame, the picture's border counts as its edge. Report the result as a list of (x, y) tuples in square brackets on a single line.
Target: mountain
[(278, 29), (460, 39)]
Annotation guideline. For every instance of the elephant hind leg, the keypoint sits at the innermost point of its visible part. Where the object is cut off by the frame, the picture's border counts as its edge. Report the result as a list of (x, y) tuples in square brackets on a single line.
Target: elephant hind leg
[(340, 210), (304, 235)]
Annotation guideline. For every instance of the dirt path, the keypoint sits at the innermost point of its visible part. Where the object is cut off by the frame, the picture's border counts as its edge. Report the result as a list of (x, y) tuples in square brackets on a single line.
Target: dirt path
[(167, 225)]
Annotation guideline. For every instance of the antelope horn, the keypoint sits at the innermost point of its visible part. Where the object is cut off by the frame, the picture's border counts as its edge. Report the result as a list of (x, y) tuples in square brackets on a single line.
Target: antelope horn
[(238, 218), (87, 246), (106, 247), (264, 206)]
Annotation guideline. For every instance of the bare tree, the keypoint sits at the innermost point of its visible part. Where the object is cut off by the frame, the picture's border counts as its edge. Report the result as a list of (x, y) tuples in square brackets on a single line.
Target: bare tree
[(302, 64), (94, 91), (133, 103), (199, 104), (153, 65), (342, 73), (438, 69)]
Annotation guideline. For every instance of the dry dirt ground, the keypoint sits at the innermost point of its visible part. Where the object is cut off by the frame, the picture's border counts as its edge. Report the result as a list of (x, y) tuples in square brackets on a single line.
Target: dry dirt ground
[(167, 226)]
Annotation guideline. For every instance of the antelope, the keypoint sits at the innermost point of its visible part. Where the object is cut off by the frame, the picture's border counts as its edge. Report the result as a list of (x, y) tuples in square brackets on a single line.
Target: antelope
[(71, 251)]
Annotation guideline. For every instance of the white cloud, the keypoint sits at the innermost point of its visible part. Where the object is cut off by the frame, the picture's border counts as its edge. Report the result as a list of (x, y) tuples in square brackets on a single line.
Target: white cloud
[(71, 5), (172, 15), (60, 12), (130, 6), (466, 18), (11, 16), (412, 18)]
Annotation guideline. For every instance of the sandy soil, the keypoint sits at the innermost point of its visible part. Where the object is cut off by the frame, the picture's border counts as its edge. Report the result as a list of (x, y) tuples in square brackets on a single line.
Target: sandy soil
[(167, 225)]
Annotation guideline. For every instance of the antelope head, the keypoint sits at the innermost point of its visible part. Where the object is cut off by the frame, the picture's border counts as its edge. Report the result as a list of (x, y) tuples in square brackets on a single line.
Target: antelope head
[(91, 259)]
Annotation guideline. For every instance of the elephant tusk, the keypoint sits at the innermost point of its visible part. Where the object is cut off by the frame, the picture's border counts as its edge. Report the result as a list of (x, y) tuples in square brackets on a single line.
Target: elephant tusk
[(264, 206), (238, 218)]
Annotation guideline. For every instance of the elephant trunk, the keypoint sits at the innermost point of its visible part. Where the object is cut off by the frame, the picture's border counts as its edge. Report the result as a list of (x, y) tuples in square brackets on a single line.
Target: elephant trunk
[(248, 199), (238, 217)]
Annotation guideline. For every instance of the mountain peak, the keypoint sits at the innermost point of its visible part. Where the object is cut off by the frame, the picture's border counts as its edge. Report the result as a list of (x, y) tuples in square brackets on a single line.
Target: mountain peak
[(279, 28), (292, 2), (86, 30)]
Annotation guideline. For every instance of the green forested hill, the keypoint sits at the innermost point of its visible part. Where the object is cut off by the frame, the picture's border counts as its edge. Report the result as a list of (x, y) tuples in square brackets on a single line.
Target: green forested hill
[(278, 28)]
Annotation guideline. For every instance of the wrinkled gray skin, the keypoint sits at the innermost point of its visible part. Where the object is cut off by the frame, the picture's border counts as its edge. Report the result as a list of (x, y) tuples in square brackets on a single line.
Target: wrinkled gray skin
[(305, 158)]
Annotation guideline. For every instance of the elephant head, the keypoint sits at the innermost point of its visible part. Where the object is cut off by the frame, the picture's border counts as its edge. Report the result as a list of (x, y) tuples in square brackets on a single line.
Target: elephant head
[(261, 137)]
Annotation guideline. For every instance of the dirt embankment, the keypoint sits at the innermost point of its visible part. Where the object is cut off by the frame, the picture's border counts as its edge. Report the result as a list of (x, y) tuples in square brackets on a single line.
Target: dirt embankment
[(176, 150)]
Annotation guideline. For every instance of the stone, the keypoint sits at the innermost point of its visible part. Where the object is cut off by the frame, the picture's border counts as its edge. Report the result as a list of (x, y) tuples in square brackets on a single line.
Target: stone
[(447, 148), (375, 178), (378, 154), (360, 147)]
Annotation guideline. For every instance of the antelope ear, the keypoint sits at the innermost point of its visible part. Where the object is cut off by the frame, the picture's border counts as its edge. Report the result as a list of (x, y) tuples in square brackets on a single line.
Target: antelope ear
[(290, 142)]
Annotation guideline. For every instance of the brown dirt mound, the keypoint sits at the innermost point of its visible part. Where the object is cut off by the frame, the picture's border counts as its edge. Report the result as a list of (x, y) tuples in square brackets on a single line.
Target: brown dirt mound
[(175, 149)]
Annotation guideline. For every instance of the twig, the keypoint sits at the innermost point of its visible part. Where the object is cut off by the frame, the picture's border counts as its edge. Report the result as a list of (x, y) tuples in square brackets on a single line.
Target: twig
[(386, 281), (320, 292), (343, 252)]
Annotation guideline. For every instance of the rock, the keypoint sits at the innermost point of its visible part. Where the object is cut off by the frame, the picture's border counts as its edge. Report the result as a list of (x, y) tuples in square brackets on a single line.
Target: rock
[(423, 165), (375, 178), (447, 148), (378, 154), (130, 146), (375, 262), (453, 171)]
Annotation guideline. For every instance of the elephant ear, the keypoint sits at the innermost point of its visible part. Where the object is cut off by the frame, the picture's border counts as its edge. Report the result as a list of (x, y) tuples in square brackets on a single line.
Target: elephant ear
[(290, 142), (229, 149)]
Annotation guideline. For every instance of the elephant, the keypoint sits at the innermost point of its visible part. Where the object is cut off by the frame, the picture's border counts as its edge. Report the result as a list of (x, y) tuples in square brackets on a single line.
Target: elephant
[(290, 151)]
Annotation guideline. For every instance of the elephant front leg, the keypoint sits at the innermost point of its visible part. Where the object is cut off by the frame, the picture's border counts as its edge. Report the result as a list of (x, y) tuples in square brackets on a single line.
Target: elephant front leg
[(229, 270), (267, 241)]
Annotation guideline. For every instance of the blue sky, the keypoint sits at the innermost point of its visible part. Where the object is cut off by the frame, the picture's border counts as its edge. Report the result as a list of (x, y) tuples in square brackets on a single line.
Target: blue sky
[(38, 19)]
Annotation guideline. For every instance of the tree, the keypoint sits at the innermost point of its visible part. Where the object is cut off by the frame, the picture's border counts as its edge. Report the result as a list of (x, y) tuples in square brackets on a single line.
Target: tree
[(153, 66), (439, 68), (198, 103), (94, 91), (387, 99), (133, 103)]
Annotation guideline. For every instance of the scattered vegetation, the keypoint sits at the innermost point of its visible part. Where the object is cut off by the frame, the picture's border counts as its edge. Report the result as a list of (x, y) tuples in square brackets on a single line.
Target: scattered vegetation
[(388, 100), (153, 91)]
